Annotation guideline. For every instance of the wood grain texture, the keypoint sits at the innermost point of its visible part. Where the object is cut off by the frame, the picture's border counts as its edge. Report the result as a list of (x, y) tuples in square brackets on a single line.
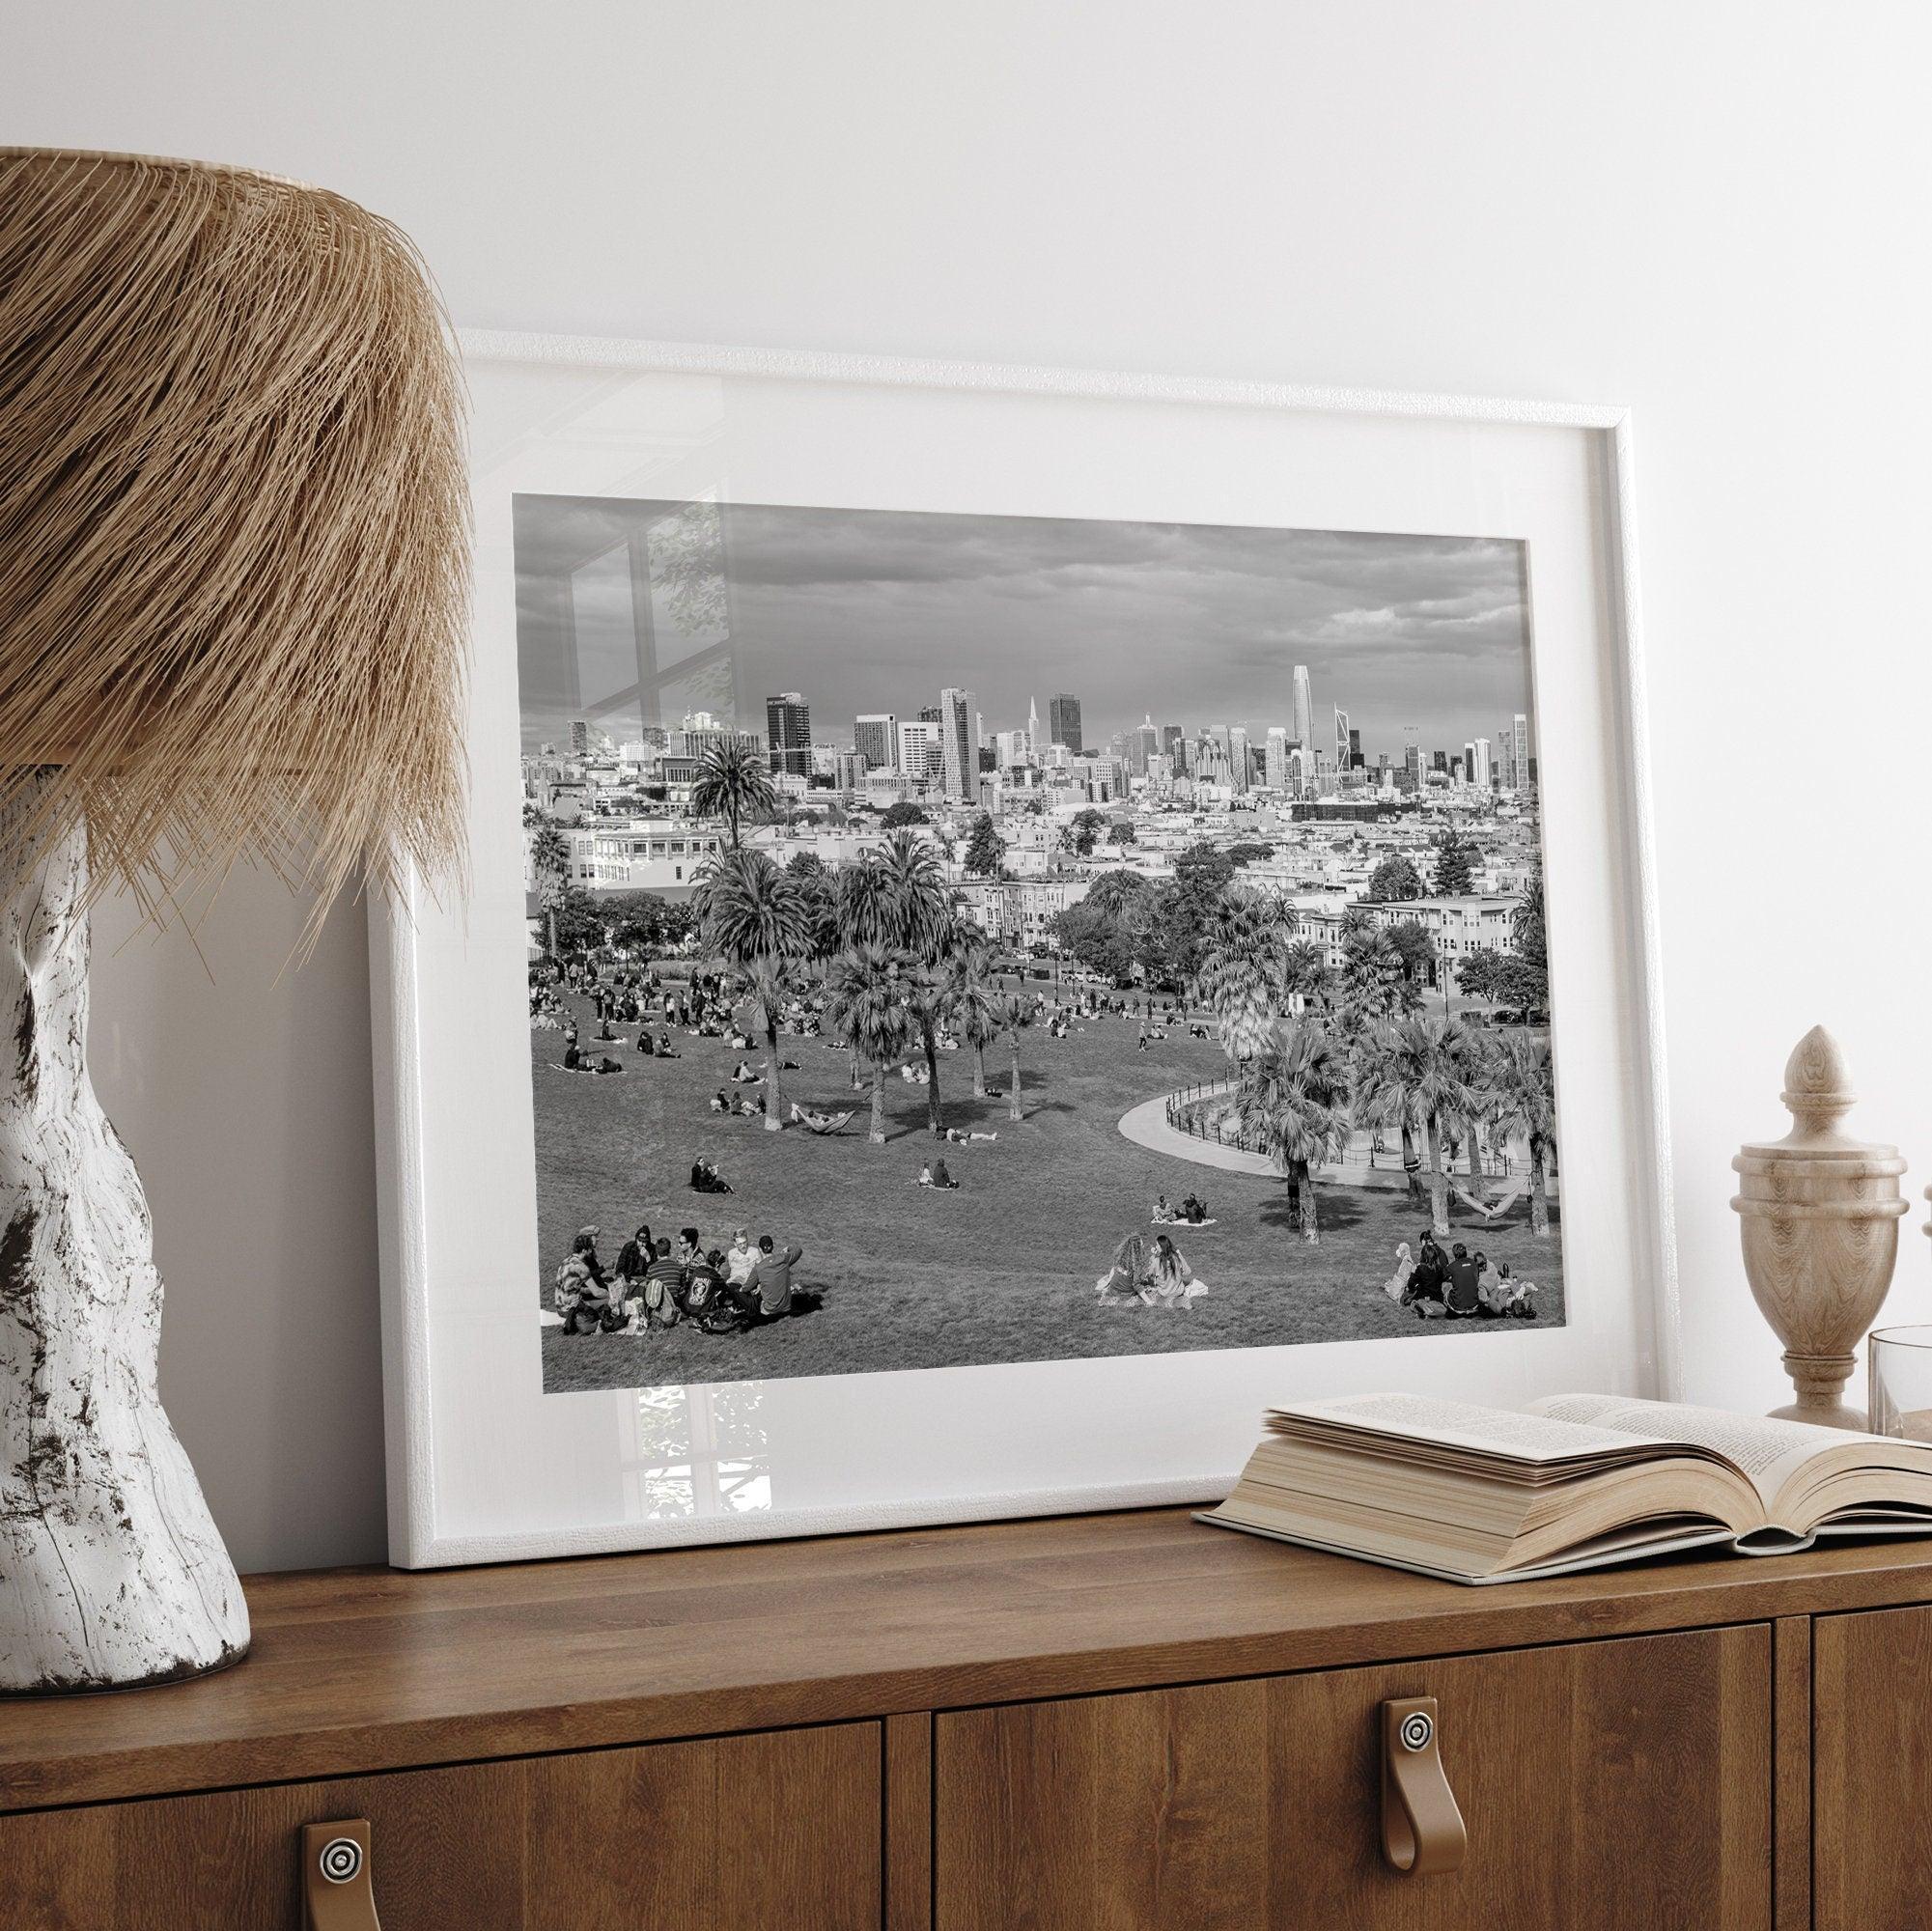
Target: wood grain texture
[(1791, 1770), (1618, 1784), (760, 1834), (909, 1822), (1872, 1772), (355, 1672)]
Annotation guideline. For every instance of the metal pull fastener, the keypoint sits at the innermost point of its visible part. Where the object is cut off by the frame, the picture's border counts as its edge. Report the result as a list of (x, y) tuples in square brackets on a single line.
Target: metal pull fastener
[(1422, 1829), (336, 1892)]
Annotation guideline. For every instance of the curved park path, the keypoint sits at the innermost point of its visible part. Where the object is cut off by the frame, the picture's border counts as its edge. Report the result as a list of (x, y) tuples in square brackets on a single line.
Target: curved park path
[(1146, 1125)]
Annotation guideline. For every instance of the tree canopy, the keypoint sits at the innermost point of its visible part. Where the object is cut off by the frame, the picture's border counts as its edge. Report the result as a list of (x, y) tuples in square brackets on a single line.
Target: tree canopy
[(905, 812), (985, 849), (1394, 880), (1456, 860)]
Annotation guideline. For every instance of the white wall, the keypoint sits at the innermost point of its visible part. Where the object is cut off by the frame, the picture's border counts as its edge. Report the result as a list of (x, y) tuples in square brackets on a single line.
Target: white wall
[(1715, 211)]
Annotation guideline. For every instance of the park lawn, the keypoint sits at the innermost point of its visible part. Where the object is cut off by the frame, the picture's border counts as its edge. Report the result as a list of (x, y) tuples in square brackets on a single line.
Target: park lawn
[(1002, 1270)]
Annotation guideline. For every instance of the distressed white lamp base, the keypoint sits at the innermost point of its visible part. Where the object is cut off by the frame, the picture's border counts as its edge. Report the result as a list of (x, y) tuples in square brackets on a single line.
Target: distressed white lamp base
[(111, 1570)]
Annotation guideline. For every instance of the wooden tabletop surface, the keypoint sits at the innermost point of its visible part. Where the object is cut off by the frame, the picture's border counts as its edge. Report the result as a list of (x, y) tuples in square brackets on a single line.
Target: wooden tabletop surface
[(355, 1671)]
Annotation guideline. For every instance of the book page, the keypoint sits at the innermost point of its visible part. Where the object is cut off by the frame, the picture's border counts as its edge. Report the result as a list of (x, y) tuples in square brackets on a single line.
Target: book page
[(1766, 1453), (1494, 1430)]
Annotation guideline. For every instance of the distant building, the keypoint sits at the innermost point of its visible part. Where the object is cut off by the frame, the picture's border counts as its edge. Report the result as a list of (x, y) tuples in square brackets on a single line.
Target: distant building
[(1457, 925), (874, 737), (788, 732), (1479, 769), (1514, 758), (579, 737), (1020, 911), (959, 745), (1345, 740), (920, 752), (1239, 775), (1274, 759), (1063, 721), (1305, 709)]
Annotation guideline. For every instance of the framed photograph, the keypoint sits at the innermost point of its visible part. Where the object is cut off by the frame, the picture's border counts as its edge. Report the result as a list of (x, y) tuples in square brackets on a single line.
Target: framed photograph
[(1016, 918)]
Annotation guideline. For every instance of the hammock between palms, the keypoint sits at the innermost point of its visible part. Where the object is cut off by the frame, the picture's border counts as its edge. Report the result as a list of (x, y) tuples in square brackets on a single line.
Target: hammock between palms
[(818, 1123), (1501, 1204)]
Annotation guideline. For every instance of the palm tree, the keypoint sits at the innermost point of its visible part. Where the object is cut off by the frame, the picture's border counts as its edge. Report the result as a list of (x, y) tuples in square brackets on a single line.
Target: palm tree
[(1013, 1015), (921, 923), (863, 1002), (1477, 1059), (976, 1013), (1304, 970), (918, 908), (1373, 978), (734, 782), (928, 990), (1381, 1093), (767, 985), (1526, 1094), (1434, 1056), (864, 908), (551, 860), (748, 909), (1242, 977), (1293, 1106)]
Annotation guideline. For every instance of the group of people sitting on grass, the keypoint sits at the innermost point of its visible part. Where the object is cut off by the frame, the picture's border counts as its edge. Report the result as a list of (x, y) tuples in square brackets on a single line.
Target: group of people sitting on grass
[(652, 1286), (1192, 1211), (1150, 1274), (1457, 1285)]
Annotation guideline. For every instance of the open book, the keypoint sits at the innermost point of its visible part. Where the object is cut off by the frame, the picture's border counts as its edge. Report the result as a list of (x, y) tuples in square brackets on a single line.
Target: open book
[(1488, 1495)]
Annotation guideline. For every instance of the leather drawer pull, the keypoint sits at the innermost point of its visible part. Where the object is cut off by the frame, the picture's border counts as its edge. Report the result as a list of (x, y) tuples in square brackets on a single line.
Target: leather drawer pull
[(1422, 1829), (336, 1892)]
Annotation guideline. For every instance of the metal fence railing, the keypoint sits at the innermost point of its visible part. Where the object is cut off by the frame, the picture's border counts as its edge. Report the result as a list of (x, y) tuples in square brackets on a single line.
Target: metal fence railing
[(1204, 1111)]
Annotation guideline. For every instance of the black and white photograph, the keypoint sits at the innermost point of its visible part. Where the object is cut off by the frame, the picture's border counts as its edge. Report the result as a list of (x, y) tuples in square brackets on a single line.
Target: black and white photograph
[(963, 939)]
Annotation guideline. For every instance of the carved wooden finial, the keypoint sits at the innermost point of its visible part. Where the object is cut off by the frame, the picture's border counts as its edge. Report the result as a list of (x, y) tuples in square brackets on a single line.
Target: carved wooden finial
[(1817, 1088), (1820, 1223)]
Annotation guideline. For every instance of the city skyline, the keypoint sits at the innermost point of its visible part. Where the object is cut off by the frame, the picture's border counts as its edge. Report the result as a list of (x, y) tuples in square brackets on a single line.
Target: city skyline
[(865, 612)]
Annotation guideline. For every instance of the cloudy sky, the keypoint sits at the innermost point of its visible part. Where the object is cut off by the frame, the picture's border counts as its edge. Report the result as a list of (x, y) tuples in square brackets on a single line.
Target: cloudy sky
[(1193, 624)]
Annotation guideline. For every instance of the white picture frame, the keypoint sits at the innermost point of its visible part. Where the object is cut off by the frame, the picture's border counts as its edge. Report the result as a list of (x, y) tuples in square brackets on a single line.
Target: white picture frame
[(484, 1465)]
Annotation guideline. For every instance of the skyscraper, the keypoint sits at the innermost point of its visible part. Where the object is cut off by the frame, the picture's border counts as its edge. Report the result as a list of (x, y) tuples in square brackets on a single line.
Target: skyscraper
[(960, 754), (579, 737), (1344, 744), (788, 732), (1479, 775), (1063, 720), (1237, 757), (876, 739), (1305, 712), (921, 754), (1032, 727), (1145, 748), (1519, 753), (1276, 759)]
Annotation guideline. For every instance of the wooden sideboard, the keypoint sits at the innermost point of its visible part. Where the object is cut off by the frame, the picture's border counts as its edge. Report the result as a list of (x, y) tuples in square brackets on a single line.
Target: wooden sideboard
[(1121, 1721)]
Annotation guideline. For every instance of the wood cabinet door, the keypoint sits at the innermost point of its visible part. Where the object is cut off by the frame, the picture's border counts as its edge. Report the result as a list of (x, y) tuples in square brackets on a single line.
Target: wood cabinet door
[(1871, 1771), (1607, 1786), (769, 1832)]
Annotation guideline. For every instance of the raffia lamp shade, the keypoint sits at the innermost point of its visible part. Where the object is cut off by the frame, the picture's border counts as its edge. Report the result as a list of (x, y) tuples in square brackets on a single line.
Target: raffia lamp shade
[(233, 604)]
